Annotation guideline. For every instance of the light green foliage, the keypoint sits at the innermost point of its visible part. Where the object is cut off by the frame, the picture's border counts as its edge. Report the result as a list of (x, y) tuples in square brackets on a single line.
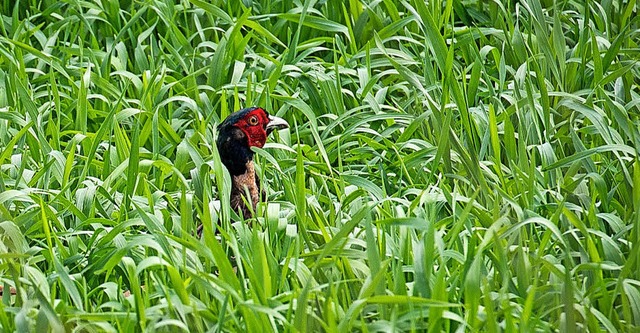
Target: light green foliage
[(457, 165)]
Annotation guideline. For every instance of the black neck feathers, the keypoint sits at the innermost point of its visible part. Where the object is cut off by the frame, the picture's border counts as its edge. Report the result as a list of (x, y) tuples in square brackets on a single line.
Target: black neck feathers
[(234, 150)]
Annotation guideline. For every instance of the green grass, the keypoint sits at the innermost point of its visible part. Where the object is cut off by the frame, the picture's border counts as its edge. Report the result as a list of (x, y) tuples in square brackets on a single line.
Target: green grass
[(451, 166)]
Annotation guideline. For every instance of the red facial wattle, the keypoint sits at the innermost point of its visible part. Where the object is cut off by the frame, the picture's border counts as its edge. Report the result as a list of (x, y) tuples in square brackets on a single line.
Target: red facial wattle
[(254, 127)]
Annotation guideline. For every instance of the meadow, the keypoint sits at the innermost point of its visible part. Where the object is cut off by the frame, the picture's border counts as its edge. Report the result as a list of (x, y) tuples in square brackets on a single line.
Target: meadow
[(463, 165)]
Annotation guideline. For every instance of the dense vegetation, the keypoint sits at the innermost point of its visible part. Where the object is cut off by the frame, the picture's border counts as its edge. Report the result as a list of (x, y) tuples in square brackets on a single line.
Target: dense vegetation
[(452, 165)]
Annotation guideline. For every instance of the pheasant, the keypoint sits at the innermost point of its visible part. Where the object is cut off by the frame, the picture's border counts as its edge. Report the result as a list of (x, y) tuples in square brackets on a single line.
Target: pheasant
[(239, 132)]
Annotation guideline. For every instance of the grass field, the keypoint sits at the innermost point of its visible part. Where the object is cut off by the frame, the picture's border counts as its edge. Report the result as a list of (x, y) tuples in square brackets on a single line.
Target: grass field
[(460, 165)]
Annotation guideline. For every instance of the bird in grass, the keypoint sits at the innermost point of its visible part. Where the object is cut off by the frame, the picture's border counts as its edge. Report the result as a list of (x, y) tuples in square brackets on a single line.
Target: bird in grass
[(239, 132)]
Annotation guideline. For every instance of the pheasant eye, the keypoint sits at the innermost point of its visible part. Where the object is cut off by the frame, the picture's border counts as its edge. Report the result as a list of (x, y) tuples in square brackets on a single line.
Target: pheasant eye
[(253, 120)]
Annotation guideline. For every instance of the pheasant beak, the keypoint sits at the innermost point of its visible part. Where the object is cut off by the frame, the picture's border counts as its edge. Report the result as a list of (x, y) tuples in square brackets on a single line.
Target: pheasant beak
[(276, 123)]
